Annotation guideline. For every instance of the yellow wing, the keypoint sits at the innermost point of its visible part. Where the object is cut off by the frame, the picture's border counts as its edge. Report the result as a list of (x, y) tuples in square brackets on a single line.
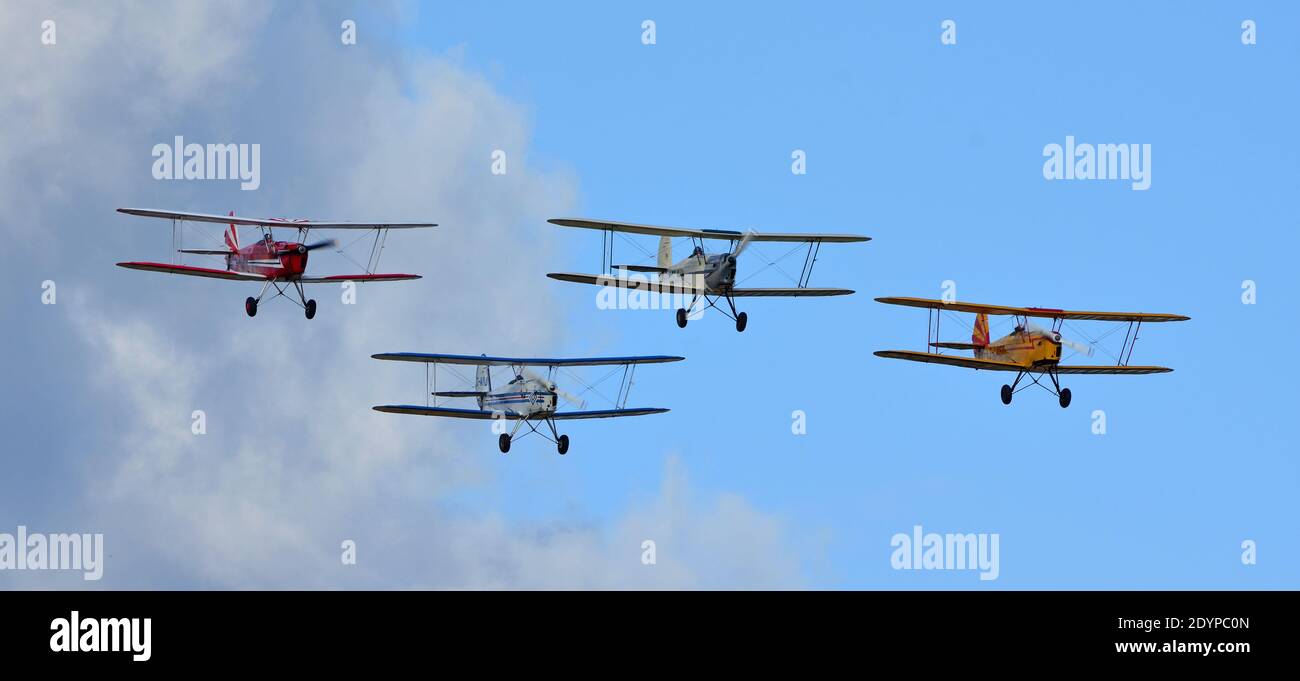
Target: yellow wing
[(1041, 312), (1113, 369), (950, 360)]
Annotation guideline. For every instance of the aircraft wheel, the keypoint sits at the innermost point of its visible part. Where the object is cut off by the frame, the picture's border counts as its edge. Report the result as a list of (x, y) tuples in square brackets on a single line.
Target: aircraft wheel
[(504, 442), (1065, 397), (742, 320), (563, 445), (311, 309), (250, 306), (681, 317), (1006, 394)]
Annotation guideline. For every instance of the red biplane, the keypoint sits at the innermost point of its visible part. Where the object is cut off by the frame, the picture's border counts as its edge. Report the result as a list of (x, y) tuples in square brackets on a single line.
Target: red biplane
[(276, 264)]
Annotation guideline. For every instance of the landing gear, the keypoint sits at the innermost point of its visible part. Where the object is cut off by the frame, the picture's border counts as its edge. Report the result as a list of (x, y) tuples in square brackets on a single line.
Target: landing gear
[(1062, 394), (250, 306), (310, 308), (562, 445), (504, 442), (741, 318)]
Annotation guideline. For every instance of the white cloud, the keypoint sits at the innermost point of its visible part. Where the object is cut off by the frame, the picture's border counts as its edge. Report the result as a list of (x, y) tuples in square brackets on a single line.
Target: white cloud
[(294, 461)]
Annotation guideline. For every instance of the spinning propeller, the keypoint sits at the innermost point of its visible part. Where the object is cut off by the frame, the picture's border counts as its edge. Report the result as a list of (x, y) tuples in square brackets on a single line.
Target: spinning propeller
[(550, 385), (742, 245), (1081, 348), (304, 248)]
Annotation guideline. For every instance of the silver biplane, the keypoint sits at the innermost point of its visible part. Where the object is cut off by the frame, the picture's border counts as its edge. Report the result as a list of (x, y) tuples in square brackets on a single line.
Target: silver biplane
[(527, 398), (701, 275)]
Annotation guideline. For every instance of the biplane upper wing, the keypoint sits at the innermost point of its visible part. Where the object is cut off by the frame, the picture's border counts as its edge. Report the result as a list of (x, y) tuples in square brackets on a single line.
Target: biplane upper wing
[(337, 278), (1041, 312), (484, 360), (670, 287), (1112, 369), (726, 234), (269, 222), (192, 271), (488, 415), (951, 360)]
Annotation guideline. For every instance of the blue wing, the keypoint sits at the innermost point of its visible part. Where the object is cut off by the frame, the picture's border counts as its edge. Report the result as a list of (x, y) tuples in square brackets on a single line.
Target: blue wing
[(484, 360)]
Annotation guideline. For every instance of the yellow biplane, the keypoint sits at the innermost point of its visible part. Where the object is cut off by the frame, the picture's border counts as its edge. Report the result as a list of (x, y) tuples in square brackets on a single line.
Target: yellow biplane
[(1029, 350)]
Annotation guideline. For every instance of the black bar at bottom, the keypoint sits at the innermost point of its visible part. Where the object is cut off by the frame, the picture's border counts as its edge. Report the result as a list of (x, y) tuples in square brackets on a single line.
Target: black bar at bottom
[(338, 630)]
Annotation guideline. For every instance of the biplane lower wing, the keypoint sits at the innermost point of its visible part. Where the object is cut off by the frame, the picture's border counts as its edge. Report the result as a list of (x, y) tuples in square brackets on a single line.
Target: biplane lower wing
[(606, 413), (1040, 312), (1113, 369), (339, 278), (484, 360), (950, 360), (995, 365), (686, 289), (168, 268), (446, 412), (488, 415)]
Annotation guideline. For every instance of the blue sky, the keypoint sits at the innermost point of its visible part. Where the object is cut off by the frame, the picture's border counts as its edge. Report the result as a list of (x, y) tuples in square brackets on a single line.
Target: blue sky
[(933, 150)]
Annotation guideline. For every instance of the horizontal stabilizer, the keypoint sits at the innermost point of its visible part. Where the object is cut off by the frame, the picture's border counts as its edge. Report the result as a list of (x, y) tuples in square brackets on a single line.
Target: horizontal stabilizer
[(201, 251), (956, 346)]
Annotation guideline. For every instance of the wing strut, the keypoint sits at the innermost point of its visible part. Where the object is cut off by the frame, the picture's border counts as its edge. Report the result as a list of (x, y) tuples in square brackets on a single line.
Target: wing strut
[(1130, 341), (810, 259), (625, 386)]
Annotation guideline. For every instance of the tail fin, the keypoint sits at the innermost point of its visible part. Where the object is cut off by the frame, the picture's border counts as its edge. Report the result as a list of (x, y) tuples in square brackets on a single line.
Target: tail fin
[(980, 336), (232, 237), (665, 252)]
